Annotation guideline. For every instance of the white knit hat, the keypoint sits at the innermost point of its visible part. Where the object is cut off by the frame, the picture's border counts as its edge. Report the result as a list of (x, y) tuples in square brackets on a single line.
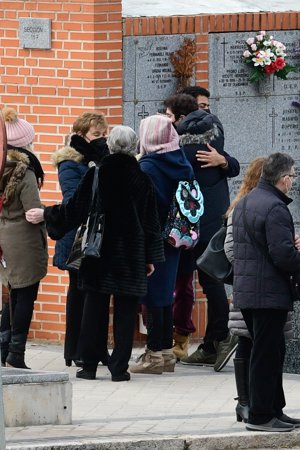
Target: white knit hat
[(19, 132)]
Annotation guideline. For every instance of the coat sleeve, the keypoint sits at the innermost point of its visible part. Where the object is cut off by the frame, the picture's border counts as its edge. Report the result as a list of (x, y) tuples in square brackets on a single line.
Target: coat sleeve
[(281, 240), (69, 175), (153, 239), (29, 192), (64, 217), (228, 243), (233, 168)]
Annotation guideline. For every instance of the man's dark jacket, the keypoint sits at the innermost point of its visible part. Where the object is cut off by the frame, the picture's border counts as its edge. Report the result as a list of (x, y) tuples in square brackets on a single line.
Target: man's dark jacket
[(198, 129), (261, 271)]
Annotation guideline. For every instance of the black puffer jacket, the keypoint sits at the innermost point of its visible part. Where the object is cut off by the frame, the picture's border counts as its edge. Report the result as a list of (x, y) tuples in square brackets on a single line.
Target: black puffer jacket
[(198, 129), (261, 277)]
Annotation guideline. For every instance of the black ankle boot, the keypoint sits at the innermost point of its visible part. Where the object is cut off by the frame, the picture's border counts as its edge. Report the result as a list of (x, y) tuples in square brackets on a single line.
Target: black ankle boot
[(5, 337), (87, 372), (16, 360), (241, 370)]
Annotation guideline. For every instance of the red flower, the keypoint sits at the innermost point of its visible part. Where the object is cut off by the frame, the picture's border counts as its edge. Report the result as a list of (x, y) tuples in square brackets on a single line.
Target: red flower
[(271, 68), (279, 63)]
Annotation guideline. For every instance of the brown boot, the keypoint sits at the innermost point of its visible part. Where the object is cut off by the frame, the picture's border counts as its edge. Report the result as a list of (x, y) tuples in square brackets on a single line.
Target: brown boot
[(169, 360), (181, 345), (149, 362)]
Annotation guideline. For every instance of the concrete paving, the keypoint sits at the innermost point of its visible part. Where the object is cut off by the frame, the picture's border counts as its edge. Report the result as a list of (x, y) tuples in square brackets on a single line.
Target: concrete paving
[(192, 408)]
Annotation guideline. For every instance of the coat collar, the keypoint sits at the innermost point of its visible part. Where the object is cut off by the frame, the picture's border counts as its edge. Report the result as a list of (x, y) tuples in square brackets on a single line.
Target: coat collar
[(264, 184), (66, 153)]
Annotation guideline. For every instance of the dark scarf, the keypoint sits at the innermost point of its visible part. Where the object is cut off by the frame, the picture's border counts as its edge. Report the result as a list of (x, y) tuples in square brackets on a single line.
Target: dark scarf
[(34, 164), (92, 151)]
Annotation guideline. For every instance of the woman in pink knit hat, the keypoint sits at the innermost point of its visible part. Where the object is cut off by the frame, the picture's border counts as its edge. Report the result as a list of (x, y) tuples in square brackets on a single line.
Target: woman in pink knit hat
[(166, 165), (24, 245)]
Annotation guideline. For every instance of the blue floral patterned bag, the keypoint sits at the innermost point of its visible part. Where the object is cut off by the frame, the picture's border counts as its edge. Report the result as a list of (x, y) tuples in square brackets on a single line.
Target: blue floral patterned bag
[(182, 228)]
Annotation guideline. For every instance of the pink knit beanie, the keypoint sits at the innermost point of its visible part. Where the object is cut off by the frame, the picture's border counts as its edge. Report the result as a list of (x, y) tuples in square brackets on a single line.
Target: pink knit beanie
[(19, 132), (158, 135)]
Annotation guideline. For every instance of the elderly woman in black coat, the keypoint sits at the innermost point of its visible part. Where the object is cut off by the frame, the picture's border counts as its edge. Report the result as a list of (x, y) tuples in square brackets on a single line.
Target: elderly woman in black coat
[(131, 244)]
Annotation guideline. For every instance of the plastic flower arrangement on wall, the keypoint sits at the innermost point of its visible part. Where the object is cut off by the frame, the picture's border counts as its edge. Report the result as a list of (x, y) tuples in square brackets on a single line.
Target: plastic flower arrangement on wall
[(266, 56)]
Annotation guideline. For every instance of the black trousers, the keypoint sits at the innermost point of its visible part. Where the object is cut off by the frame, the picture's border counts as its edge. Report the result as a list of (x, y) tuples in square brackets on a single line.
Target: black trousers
[(266, 363), (94, 329), (74, 312), (22, 305), (217, 307), (159, 327)]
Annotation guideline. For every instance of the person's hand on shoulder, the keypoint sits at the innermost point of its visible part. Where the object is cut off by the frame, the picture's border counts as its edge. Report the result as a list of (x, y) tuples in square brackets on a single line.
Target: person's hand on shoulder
[(297, 242), (211, 158)]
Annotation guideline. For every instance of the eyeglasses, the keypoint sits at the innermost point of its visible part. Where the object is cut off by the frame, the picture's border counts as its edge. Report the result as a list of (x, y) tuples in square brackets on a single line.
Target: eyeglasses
[(291, 175)]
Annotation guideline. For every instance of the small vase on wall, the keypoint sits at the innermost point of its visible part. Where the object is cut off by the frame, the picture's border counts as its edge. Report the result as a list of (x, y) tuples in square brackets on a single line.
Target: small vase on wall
[(265, 85)]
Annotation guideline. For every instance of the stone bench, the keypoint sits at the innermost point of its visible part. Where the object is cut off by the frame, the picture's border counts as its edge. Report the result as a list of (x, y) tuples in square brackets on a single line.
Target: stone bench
[(36, 397)]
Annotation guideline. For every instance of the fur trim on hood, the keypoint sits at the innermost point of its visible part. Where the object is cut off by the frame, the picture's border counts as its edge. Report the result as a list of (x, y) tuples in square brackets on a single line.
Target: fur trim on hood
[(67, 153), (17, 164), (204, 138)]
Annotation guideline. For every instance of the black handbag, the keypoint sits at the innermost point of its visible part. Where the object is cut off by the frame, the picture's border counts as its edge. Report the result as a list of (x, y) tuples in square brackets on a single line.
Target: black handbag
[(88, 239), (213, 260)]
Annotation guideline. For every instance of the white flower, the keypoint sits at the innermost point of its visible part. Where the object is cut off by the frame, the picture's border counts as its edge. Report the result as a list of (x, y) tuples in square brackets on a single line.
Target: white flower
[(279, 52), (263, 33), (259, 38), (250, 41), (262, 58), (253, 47), (247, 54), (267, 43)]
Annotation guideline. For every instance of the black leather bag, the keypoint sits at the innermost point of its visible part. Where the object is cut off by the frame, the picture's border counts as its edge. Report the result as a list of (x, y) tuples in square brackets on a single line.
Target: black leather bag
[(88, 239), (214, 261)]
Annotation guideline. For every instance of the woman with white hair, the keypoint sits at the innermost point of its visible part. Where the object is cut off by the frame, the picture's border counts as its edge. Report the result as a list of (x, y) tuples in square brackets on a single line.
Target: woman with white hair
[(131, 244)]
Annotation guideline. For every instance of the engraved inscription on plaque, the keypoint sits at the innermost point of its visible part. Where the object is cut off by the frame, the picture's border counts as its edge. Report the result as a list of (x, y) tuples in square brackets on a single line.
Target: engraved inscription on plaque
[(35, 33), (148, 76), (256, 123)]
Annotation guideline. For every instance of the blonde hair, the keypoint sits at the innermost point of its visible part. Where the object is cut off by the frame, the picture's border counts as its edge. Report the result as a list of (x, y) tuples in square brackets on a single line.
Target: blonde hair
[(87, 120), (251, 178)]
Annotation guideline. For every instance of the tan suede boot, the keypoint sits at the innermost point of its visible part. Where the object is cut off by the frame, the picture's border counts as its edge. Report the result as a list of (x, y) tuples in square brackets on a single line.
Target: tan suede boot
[(169, 360), (149, 362), (181, 345)]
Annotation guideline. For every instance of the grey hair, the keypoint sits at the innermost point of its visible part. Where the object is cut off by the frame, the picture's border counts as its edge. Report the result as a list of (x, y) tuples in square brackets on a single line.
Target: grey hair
[(276, 166), (122, 139)]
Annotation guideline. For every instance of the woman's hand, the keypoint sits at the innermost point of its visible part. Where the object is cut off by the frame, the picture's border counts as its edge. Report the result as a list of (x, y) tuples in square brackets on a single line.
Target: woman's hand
[(35, 215), (149, 269), (211, 158), (297, 242)]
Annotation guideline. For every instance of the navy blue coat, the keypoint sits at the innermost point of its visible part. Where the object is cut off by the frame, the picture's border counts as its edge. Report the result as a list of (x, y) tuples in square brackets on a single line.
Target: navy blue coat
[(71, 169), (261, 277), (165, 170)]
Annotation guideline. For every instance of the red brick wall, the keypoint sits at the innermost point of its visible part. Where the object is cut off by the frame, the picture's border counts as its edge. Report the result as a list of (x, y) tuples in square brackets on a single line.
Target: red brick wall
[(83, 71), (50, 88)]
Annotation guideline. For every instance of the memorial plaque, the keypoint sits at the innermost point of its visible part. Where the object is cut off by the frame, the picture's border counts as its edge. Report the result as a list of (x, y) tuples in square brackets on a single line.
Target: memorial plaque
[(148, 76), (35, 33), (258, 124)]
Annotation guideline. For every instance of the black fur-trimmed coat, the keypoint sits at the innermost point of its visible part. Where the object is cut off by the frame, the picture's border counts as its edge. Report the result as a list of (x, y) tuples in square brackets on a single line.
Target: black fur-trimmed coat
[(132, 235)]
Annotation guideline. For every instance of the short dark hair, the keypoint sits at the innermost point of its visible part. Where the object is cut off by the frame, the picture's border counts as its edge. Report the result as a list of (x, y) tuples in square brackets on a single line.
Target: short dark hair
[(276, 166), (181, 104), (195, 91)]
